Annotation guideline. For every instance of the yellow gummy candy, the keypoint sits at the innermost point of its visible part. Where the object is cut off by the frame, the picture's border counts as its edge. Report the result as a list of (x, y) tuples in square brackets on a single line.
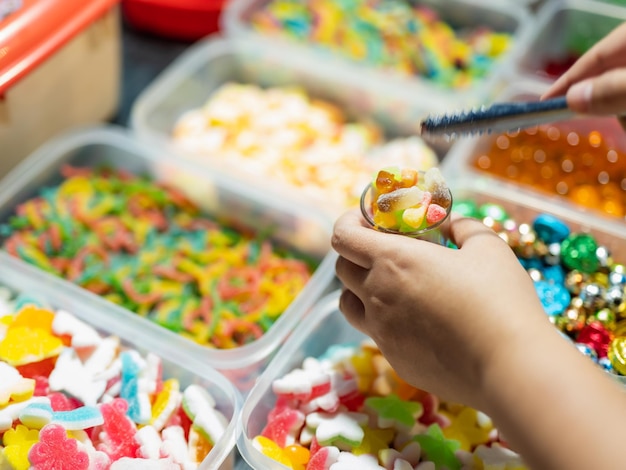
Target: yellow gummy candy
[(272, 450), (23, 345), (33, 317), (166, 403), (17, 443)]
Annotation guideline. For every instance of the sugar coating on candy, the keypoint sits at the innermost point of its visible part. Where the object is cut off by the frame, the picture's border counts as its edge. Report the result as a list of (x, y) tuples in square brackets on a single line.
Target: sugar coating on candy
[(304, 146), (103, 433), (17, 442), (23, 345), (284, 427), (404, 200), (390, 425), (145, 246), (56, 451)]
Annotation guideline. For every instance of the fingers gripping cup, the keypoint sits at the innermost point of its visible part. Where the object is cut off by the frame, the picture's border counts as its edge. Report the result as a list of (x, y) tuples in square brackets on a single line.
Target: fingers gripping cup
[(409, 202)]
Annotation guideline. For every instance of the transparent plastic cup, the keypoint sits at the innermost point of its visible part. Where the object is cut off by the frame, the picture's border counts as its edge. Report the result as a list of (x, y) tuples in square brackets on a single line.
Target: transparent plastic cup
[(435, 233)]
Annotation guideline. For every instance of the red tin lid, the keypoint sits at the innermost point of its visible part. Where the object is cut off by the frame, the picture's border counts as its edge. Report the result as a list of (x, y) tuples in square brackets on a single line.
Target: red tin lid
[(38, 29), (186, 20)]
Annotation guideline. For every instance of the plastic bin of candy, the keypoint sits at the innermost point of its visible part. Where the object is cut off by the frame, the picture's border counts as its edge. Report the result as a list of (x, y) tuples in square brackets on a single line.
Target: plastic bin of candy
[(275, 120), (577, 166), (372, 39), (563, 31), (84, 367), (327, 336), (286, 255)]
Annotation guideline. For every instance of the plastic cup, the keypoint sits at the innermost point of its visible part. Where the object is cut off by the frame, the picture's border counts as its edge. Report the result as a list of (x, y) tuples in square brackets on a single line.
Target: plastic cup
[(433, 233)]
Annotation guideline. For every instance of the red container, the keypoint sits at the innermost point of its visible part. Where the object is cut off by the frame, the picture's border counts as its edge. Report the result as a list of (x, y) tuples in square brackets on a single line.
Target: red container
[(186, 20)]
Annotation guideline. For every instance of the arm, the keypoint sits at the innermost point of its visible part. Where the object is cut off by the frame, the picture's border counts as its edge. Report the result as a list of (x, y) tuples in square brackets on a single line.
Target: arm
[(596, 83), (467, 325)]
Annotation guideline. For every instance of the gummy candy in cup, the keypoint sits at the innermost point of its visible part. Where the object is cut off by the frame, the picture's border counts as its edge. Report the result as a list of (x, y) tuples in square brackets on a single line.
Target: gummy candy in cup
[(421, 209)]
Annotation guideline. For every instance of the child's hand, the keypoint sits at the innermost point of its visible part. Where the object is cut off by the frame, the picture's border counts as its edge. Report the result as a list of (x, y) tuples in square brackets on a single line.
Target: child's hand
[(440, 316)]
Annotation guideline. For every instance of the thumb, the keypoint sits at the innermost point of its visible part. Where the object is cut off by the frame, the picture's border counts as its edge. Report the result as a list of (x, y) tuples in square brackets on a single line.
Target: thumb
[(603, 94), (466, 231)]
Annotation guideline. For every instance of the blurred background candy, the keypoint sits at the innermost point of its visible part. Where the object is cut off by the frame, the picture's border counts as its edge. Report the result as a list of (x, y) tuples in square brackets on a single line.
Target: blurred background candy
[(396, 35)]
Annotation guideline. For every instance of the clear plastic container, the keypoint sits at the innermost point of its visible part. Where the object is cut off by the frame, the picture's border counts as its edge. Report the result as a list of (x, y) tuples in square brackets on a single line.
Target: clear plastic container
[(304, 231), (192, 79), (564, 30), (458, 165), (325, 327), (498, 15), (22, 278)]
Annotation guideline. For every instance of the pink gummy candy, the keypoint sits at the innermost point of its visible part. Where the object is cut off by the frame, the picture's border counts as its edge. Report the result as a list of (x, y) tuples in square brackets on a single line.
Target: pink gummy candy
[(323, 458), (61, 402), (56, 451), (435, 213), (118, 431), (284, 427)]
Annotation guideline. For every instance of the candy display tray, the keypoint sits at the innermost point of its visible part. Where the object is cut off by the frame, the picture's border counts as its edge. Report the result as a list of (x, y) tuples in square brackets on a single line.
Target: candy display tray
[(304, 231), (427, 97), (22, 278), (566, 27), (458, 167), (190, 81)]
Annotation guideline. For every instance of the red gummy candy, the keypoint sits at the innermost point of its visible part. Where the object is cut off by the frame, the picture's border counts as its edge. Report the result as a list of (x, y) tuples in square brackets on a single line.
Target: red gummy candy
[(284, 426), (42, 387), (41, 368), (118, 431), (321, 460), (56, 451), (61, 402), (353, 401)]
